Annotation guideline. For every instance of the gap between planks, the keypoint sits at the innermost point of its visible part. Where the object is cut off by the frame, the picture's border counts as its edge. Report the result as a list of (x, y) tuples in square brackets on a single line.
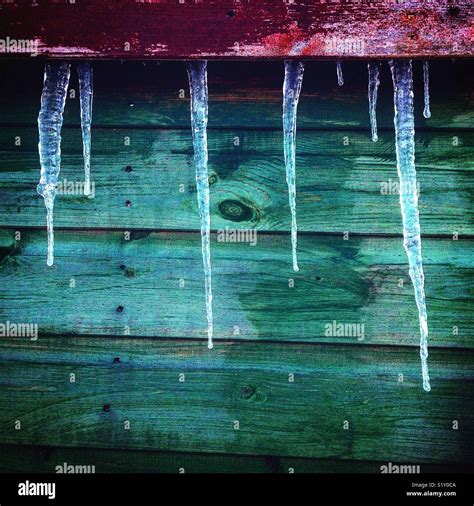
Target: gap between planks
[(305, 233), (196, 342), (244, 128)]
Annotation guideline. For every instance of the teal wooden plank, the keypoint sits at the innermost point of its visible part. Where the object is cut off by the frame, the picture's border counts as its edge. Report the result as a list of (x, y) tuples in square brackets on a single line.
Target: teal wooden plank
[(152, 285), (241, 94), (345, 182), (47, 459), (388, 420)]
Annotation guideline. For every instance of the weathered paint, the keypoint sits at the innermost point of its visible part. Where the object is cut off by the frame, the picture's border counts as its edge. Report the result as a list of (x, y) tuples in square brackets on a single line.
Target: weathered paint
[(133, 285), (388, 420), (167, 29)]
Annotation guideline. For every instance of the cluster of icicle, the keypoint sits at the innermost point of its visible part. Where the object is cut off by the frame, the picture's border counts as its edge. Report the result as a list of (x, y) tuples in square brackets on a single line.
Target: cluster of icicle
[(405, 151), (50, 120)]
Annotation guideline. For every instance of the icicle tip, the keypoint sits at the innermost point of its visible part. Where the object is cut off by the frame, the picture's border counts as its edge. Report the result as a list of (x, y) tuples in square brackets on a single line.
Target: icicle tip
[(340, 75)]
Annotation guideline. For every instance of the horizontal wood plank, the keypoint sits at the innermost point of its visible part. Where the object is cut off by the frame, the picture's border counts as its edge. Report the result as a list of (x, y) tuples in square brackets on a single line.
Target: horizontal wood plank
[(389, 419), (152, 285), (345, 182), (241, 95), (244, 29), (45, 459)]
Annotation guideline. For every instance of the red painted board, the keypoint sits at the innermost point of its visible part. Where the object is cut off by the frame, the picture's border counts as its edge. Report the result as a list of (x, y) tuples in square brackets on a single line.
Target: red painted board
[(239, 29)]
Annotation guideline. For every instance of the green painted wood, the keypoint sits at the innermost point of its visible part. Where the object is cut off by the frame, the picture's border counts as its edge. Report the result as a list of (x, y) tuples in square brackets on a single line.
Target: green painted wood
[(247, 382), (241, 94), (283, 424), (45, 459), (345, 182), (152, 285)]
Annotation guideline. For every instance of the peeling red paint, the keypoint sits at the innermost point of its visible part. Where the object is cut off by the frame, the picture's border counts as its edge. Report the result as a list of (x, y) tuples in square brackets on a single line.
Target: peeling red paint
[(283, 43), (167, 29)]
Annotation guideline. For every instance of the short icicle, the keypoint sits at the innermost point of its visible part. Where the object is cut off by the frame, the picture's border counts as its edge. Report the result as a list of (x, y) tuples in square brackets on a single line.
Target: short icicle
[(50, 120), (426, 87), (197, 73), (405, 151), (374, 82), (291, 92), (84, 70), (340, 75)]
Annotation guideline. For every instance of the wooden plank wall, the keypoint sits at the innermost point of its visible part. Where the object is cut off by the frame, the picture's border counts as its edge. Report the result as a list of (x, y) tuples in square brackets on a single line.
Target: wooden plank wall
[(215, 29), (123, 307)]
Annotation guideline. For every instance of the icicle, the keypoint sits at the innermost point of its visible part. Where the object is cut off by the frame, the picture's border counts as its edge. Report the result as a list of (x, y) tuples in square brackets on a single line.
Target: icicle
[(291, 92), (405, 150), (426, 86), (197, 72), (50, 120), (340, 75), (374, 81), (84, 70)]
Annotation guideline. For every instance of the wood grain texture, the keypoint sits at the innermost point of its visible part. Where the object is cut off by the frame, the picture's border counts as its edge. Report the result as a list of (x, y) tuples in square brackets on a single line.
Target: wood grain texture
[(340, 187), (241, 95), (388, 420), (228, 29), (44, 459), (152, 285), (104, 287)]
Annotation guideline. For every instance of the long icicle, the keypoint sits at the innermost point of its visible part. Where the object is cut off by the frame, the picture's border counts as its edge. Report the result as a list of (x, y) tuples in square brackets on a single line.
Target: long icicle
[(426, 88), (50, 120), (197, 73), (405, 149), (84, 70), (340, 75), (291, 92), (374, 82)]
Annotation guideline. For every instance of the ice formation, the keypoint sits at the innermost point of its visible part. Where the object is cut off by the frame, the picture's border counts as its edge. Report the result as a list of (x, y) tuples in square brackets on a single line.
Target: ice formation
[(197, 73), (405, 150), (291, 92), (50, 120)]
